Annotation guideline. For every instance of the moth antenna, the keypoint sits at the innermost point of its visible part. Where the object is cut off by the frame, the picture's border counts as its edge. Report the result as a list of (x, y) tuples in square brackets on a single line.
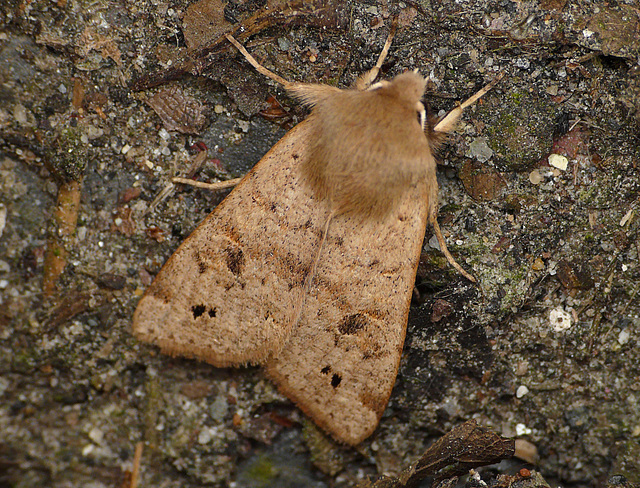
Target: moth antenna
[(448, 123), (365, 80), (259, 68), (309, 279), (445, 250), (325, 231)]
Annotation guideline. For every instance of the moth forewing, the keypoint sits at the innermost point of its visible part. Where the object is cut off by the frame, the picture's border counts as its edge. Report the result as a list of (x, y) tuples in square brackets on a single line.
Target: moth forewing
[(341, 361), (232, 291)]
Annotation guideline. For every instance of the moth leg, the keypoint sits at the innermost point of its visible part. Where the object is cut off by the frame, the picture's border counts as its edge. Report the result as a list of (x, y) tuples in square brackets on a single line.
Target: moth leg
[(423, 114), (445, 251), (446, 125)]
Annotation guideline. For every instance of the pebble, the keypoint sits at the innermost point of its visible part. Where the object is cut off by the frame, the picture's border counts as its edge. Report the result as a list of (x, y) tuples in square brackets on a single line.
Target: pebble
[(20, 113), (535, 177), (623, 337), (558, 161), (433, 243), (559, 319), (521, 391), (480, 150), (96, 435), (522, 429), (3, 218), (284, 44), (164, 134)]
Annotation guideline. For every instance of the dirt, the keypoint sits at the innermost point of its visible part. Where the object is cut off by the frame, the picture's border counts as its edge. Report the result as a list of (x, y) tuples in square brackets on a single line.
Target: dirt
[(544, 349)]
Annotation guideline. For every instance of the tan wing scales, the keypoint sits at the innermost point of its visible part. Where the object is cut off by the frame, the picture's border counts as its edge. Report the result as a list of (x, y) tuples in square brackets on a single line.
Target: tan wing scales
[(341, 360), (231, 292)]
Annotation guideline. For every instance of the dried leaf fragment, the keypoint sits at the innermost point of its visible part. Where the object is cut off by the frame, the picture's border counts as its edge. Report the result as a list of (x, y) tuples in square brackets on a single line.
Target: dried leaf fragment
[(90, 40), (178, 111), (465, 447)]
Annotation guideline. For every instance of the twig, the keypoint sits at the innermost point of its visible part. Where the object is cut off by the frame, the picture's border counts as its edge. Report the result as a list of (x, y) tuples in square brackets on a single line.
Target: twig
[(65, 217), (136, 465)]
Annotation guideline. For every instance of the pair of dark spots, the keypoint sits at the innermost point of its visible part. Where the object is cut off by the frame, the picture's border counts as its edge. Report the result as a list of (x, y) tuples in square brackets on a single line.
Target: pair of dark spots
[(335, 377), (199, 311)]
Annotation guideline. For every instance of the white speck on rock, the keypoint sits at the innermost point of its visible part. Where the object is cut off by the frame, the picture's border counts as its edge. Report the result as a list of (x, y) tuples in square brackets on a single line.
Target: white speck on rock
[(623, 337), (560, 319), (521, 391), (96, 435), (206, 434)]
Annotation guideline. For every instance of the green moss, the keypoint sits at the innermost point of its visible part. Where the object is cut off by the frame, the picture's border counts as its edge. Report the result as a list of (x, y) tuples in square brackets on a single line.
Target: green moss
[(262, 471), (516, 97), (67, 157)]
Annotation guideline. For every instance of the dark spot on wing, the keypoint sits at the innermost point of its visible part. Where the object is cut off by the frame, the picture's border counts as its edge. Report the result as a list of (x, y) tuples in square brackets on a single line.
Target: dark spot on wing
[(351, 324), (202, 266), (235, 260), (335, 380), (325, 370), (198, 310), (212, 312)]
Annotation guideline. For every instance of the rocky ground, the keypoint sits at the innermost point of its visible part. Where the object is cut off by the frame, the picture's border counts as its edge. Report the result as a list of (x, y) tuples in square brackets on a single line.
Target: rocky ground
[(101, 103)]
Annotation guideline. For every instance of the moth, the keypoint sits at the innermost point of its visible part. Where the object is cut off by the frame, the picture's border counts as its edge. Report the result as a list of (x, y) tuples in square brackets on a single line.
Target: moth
[(307, 267)]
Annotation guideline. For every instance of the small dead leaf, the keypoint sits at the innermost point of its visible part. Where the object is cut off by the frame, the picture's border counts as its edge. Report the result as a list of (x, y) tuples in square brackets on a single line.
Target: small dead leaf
[(178, 111), (617, 30), (123, 221), (90, 40), (129, 194), (196, 389), (441, 308), (406, 17), (111, 281), (155, 233), (481, 182), (204, 23), (78, 93), (574, 277)]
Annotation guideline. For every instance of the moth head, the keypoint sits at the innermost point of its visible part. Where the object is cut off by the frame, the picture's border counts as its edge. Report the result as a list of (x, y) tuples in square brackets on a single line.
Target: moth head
[(408, 87)]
